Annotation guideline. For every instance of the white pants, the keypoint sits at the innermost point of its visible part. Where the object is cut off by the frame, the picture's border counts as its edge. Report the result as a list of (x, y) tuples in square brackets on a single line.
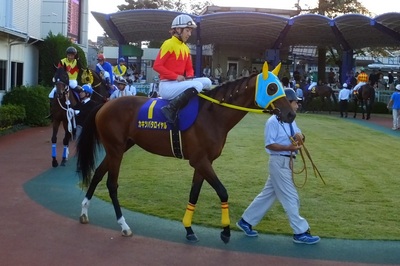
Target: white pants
[(171, 89), (278, 186), (396, 118), (358, 86), (72, 85), (312, 85)]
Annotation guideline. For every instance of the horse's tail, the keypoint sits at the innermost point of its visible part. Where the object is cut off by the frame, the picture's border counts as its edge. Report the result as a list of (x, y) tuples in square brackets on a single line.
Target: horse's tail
[(87, 147)]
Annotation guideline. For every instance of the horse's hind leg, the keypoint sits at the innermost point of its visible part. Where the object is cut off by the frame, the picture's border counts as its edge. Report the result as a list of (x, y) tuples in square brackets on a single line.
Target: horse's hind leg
[(97, 177)]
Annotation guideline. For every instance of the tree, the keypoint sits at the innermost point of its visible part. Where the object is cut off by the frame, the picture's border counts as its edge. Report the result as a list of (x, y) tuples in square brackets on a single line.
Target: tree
[(51, 51)]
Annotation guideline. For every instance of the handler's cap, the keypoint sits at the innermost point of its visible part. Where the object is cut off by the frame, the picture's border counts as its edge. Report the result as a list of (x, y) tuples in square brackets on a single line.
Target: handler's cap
[(291, 95), (398, 87), (344, 85)]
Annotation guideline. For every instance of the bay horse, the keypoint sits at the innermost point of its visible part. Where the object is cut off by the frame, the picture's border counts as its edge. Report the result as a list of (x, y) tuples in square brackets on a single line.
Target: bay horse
[(365, 96), (323, 92), (118, 127), (100, 90), (62, 113)]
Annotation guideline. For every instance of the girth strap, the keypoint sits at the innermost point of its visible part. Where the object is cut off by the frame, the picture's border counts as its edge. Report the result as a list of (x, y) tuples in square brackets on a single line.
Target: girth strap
[(176, 140)]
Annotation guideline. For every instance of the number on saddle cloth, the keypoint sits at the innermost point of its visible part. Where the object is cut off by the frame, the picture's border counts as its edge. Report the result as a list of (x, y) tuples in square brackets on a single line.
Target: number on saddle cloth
[(151, 117)]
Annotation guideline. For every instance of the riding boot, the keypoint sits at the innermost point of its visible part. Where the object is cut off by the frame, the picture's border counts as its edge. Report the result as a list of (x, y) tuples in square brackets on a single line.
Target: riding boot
[(170, 111)]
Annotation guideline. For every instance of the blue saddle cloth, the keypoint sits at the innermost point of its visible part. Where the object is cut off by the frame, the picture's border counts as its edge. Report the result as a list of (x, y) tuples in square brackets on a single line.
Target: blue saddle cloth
[(151, 117)]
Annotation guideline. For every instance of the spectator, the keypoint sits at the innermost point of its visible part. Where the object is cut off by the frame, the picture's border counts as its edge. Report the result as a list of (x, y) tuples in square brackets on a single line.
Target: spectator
[(218, 73), (394, 104), (122, 91), (344, 95), (207, 71)]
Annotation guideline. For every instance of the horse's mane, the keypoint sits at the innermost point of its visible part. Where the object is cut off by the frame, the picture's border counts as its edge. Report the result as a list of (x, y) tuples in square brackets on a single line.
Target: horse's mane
[(225, 92)]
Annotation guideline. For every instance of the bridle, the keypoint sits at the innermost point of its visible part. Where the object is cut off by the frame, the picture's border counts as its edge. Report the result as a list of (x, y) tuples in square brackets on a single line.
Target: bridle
[(70, 113)]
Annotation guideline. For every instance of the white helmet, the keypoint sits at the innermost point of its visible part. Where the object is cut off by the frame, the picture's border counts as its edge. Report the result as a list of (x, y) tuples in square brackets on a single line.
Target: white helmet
[(183, 21)]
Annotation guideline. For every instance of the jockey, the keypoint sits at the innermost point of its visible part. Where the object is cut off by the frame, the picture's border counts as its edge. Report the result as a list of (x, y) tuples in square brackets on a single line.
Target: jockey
[(105, 70), (174, 65), (72, 68), (313, 76), (362, 79), (119, 70)]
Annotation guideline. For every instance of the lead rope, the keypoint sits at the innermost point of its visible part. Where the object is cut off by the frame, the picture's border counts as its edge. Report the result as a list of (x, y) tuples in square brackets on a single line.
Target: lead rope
[(70, 114), (304, 168)]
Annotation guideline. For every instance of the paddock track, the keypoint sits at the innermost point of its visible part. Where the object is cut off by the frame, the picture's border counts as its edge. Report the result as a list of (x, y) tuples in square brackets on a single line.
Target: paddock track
[(41, 205)]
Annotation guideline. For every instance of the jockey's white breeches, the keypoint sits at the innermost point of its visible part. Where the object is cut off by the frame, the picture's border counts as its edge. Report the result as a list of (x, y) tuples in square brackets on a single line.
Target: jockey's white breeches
[(72, 84), (170, 89)]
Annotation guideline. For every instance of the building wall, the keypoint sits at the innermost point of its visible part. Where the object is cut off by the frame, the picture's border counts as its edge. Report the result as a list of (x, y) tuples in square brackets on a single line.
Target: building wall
[(24, 23)]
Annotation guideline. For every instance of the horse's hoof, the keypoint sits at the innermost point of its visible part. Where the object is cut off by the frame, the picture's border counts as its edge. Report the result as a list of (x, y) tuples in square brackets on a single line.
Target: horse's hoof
[(83, 219), (192, 238), (226, 235), (63, 162), (225, 238), (127, 232), (54, 163)]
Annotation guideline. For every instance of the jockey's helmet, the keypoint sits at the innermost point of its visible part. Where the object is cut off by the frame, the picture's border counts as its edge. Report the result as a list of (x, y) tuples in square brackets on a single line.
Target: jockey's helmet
[(87, 88), (291, 95), (121, 60), (71, 50), (100, 57), (183, 21)]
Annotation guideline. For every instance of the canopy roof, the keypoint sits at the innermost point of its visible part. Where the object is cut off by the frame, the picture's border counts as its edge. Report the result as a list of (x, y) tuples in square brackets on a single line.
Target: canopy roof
[(258, 31)]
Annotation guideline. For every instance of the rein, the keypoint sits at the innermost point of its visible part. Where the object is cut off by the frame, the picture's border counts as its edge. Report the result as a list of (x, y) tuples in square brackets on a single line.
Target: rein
[(241, 108)]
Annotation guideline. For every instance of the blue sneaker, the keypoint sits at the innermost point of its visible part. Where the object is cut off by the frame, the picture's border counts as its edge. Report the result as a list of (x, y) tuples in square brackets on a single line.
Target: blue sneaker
[(306, 238), (246, 228)]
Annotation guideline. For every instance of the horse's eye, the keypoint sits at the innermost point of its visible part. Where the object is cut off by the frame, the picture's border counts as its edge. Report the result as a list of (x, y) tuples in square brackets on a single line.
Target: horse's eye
[(272, 89)]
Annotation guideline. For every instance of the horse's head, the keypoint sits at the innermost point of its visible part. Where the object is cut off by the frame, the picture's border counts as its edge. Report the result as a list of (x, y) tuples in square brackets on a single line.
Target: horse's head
[(270, 94), (61, 80)]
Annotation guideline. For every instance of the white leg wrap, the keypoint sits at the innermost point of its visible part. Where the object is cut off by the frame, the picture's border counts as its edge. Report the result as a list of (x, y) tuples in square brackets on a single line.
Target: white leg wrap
[(123, 224), (85, 207)]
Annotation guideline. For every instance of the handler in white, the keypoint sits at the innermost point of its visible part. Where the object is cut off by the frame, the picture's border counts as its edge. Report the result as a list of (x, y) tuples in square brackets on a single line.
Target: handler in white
[(280, 184)]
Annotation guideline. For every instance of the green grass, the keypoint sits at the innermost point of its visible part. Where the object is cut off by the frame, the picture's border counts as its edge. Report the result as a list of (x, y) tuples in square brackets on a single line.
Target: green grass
[(360, 166)]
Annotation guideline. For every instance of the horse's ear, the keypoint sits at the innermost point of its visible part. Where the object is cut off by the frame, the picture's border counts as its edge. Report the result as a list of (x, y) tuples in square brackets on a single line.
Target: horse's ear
[(277, 69), (55, 66), (265, 70)]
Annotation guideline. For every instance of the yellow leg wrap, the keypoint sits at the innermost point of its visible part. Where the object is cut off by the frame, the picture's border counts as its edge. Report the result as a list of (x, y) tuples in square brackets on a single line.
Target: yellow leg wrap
[(225, 214), (187, 218)]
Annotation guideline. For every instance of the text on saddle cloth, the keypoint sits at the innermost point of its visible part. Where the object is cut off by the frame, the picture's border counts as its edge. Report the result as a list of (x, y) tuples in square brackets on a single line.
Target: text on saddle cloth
[(151, 117)]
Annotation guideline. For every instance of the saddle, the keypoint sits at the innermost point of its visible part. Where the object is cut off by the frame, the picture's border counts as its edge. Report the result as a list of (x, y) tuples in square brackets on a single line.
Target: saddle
[(151, 117)]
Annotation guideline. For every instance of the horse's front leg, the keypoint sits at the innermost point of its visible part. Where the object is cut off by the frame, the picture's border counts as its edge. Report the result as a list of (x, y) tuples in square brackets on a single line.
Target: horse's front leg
[(54, 161), (67, 137), (197, 183)]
